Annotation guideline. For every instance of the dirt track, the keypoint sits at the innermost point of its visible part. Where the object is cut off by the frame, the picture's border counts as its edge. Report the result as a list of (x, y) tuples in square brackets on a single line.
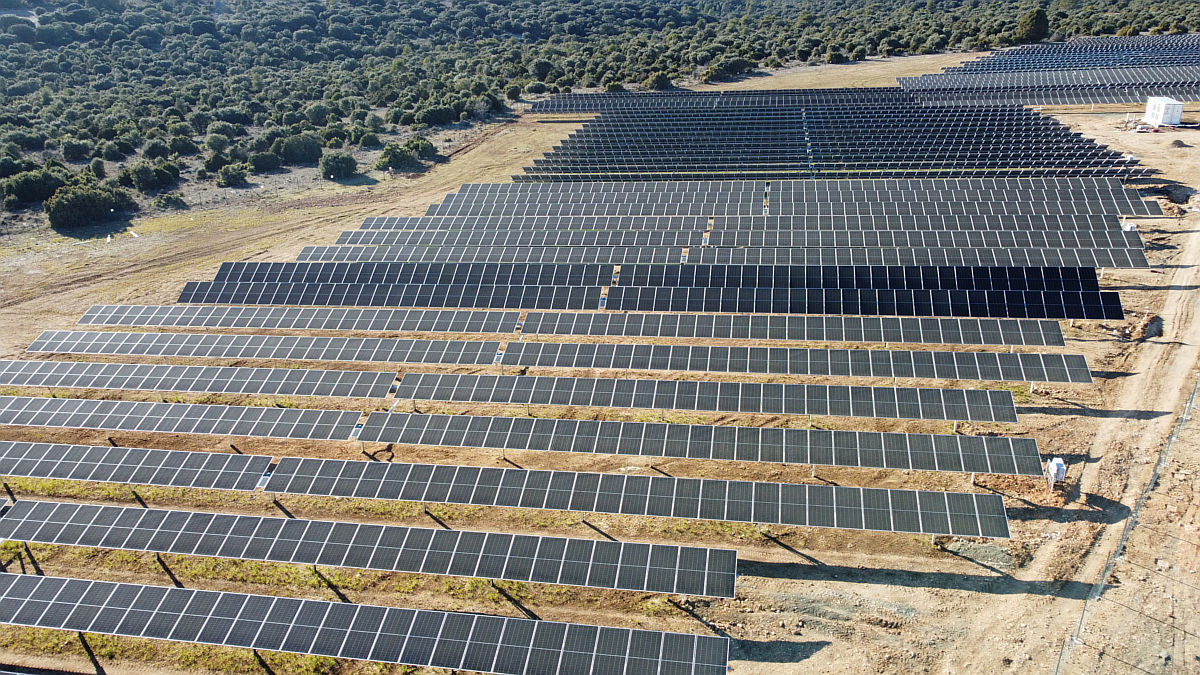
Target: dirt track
[(809, 600)]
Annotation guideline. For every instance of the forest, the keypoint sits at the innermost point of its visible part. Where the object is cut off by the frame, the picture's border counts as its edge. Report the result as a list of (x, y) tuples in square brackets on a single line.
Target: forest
[(105, 105)]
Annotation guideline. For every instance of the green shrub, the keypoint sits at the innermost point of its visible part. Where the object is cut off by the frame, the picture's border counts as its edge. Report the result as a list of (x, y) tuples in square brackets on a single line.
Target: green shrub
[(232, 175), (76, 150), (34, 186), (182, 145), (78, 205), (262, 162), (170, 200), (396, 158), (297, 150), (335, 165), (421, 147)]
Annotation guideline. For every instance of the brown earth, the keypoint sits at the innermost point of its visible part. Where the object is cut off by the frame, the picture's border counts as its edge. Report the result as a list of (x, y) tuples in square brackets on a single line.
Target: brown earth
[(808, 599)]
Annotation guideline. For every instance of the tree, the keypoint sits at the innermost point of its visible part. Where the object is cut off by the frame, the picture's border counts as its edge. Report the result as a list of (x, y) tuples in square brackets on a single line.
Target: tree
[(658, 81), (421, 147), (1033, 26), (84, 204), (33, 186), (231, 175), (396, 158), (217, 142), (262, 162), (76, 150), (297, 150), (513, 93), (336, 165)]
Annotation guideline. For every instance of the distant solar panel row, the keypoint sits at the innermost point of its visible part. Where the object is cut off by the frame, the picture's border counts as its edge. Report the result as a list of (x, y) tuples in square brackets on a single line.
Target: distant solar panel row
[(751, 238), (745, 397), (987, 366), (1057, 96), (387, 350), (214, 379), (1091, 52), (1062, 79), (1127, 258), (815, 328), (948, 277), (936, 303), (923, 222), (991, 184), (1028, 202), (106, 464), (751, 327), (178, 418), (551, 560), (477, 642), (302, 318), (734, 501), (925, 452)]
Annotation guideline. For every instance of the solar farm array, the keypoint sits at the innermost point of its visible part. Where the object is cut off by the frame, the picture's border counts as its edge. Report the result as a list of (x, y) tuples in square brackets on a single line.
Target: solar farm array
[(744, 275), (1083, 70), (819, 134)]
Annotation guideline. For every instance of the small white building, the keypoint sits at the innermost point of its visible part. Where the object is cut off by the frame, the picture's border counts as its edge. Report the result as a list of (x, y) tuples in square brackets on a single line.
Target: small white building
[(1163, 112)]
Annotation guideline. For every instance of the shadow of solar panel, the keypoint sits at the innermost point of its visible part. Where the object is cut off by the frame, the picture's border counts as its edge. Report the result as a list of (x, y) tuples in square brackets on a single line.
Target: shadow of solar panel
[(979, 454), (551, 560), (179, 418), (784, 399), (663, 496), (217, 379), (490, 644)]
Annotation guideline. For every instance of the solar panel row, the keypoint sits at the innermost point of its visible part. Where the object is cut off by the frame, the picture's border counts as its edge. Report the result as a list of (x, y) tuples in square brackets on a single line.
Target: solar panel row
[(801, 361), (652, 568), (302, 318), (387, 350), (106, 464), (923, 222), (717, 326), (1128, 258), (994, 278), (746, 397), (926, 452), (811, 328), (478, 642), (178, 418), (153, 377)]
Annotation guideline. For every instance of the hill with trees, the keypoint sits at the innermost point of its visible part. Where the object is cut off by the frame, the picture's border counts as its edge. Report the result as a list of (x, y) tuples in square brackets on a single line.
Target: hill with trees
[(112, 102)]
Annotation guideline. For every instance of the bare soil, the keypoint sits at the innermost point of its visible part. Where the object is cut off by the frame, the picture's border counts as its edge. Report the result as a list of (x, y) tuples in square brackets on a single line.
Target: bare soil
[(808, 599)]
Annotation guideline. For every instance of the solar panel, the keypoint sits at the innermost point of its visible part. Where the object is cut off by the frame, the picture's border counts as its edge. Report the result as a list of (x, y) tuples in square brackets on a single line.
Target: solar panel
[(106, 464), (1116, 258), (416, 637), (216, 379), (735, 501), (750, 397), (924, 452), (392, 295), (924, 222), (987, 366), (914, 330), (302, 318), (386, 350), (654, 568), (178, 418)]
